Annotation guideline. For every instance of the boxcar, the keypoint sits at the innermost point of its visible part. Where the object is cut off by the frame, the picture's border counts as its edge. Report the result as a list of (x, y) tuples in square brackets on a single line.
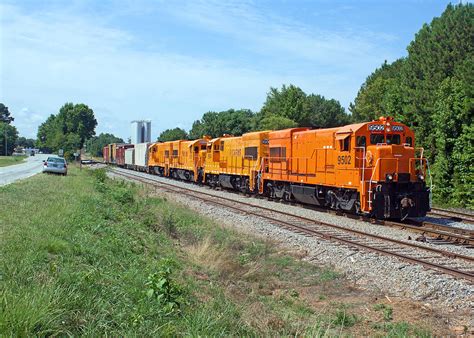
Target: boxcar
[(130, 158), (120, 153), (141, 156), (105, 154)]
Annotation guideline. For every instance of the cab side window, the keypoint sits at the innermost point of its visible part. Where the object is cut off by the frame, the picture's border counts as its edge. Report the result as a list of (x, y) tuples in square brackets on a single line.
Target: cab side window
[(409, 141), (251, 152), (345, 144), (361, 141)]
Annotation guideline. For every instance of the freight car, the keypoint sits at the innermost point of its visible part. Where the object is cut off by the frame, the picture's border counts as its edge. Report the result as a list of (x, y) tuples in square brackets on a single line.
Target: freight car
[(141, 156), (120, 153), (105, 154), (369, 168), (130, 158)]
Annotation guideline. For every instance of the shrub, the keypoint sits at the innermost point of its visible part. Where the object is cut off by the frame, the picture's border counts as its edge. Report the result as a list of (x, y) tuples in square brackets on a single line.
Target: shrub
[(164, 289)]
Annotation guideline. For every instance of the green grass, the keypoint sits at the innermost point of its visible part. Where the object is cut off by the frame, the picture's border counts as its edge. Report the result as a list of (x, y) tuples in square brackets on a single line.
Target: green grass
[(10, 160), (100, 257)]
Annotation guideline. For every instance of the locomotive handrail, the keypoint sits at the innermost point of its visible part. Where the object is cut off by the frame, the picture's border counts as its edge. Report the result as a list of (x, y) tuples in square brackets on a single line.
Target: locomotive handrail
[(373, 173), (362, 178)]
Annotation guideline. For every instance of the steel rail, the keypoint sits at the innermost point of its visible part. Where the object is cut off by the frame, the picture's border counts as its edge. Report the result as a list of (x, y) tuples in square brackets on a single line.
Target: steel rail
[(437, 231), (451, 271), (456, 215), (455, 235)]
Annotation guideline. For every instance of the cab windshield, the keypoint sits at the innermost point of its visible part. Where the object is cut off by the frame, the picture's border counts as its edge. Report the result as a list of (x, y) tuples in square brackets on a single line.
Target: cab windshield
[(377, 138), (393, 139), (380, 138)]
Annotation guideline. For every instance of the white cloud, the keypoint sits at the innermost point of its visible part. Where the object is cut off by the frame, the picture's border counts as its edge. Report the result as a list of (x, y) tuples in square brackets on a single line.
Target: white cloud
[(258, 29)]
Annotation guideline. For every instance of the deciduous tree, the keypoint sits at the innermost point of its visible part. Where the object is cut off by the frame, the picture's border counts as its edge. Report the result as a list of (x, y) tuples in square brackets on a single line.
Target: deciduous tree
[(173, 135)]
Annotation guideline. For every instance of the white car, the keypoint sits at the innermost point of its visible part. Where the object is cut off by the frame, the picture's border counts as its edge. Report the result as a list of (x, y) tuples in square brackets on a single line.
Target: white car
[(56, 165)]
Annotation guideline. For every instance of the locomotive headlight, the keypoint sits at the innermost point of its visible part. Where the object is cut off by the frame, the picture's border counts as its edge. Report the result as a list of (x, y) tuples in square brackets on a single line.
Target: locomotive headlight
[(421, 177), (389, 177)]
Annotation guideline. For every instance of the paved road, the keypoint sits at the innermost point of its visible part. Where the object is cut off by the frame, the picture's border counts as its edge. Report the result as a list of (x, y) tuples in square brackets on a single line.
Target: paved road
[(30, 167)]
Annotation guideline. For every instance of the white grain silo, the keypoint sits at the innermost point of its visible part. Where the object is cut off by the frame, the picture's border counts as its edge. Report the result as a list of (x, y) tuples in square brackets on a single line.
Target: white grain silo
[(141, 131)]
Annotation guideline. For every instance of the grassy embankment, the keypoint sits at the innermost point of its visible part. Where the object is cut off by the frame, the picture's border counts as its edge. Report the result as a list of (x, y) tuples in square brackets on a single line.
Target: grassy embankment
[(83, 254), (10, 160)]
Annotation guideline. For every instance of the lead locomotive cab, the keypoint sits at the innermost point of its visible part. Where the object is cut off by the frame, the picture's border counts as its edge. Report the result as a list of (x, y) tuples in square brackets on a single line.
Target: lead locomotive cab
[(395, 171)]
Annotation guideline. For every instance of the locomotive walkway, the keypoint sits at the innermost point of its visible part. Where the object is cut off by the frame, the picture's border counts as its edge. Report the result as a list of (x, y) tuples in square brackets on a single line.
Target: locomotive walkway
[(447, 262)]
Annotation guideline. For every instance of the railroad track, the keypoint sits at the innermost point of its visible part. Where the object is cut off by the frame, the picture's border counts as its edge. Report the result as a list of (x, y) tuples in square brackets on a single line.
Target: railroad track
[(459, 266), (436, 233), (454, 215), (431, 232)]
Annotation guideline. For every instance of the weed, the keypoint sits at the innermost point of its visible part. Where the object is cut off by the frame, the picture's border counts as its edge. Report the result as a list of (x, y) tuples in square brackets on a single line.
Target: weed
[(293, 293), (253, 251), (401, 329), (328, 275), (100, 176), (121, 193), (164, 289), (344, 319), (169, 222), (283, 261), (386, 310), (388, 314), (378, 307)]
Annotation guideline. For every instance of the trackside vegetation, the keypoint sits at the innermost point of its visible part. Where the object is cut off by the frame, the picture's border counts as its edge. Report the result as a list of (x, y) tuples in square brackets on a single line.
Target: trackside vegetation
[(11, 160), (88, 255)]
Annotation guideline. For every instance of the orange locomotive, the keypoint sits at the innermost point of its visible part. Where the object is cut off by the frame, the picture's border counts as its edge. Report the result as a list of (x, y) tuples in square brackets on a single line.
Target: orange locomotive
[(178, 159), (367, 167), (234, 162)]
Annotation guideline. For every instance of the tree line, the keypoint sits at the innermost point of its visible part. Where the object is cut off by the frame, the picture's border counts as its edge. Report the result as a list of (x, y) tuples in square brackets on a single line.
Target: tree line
[(431, 90)]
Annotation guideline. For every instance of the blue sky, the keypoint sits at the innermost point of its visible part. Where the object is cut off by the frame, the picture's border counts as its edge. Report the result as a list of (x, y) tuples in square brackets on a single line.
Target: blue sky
[(171, 61)]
